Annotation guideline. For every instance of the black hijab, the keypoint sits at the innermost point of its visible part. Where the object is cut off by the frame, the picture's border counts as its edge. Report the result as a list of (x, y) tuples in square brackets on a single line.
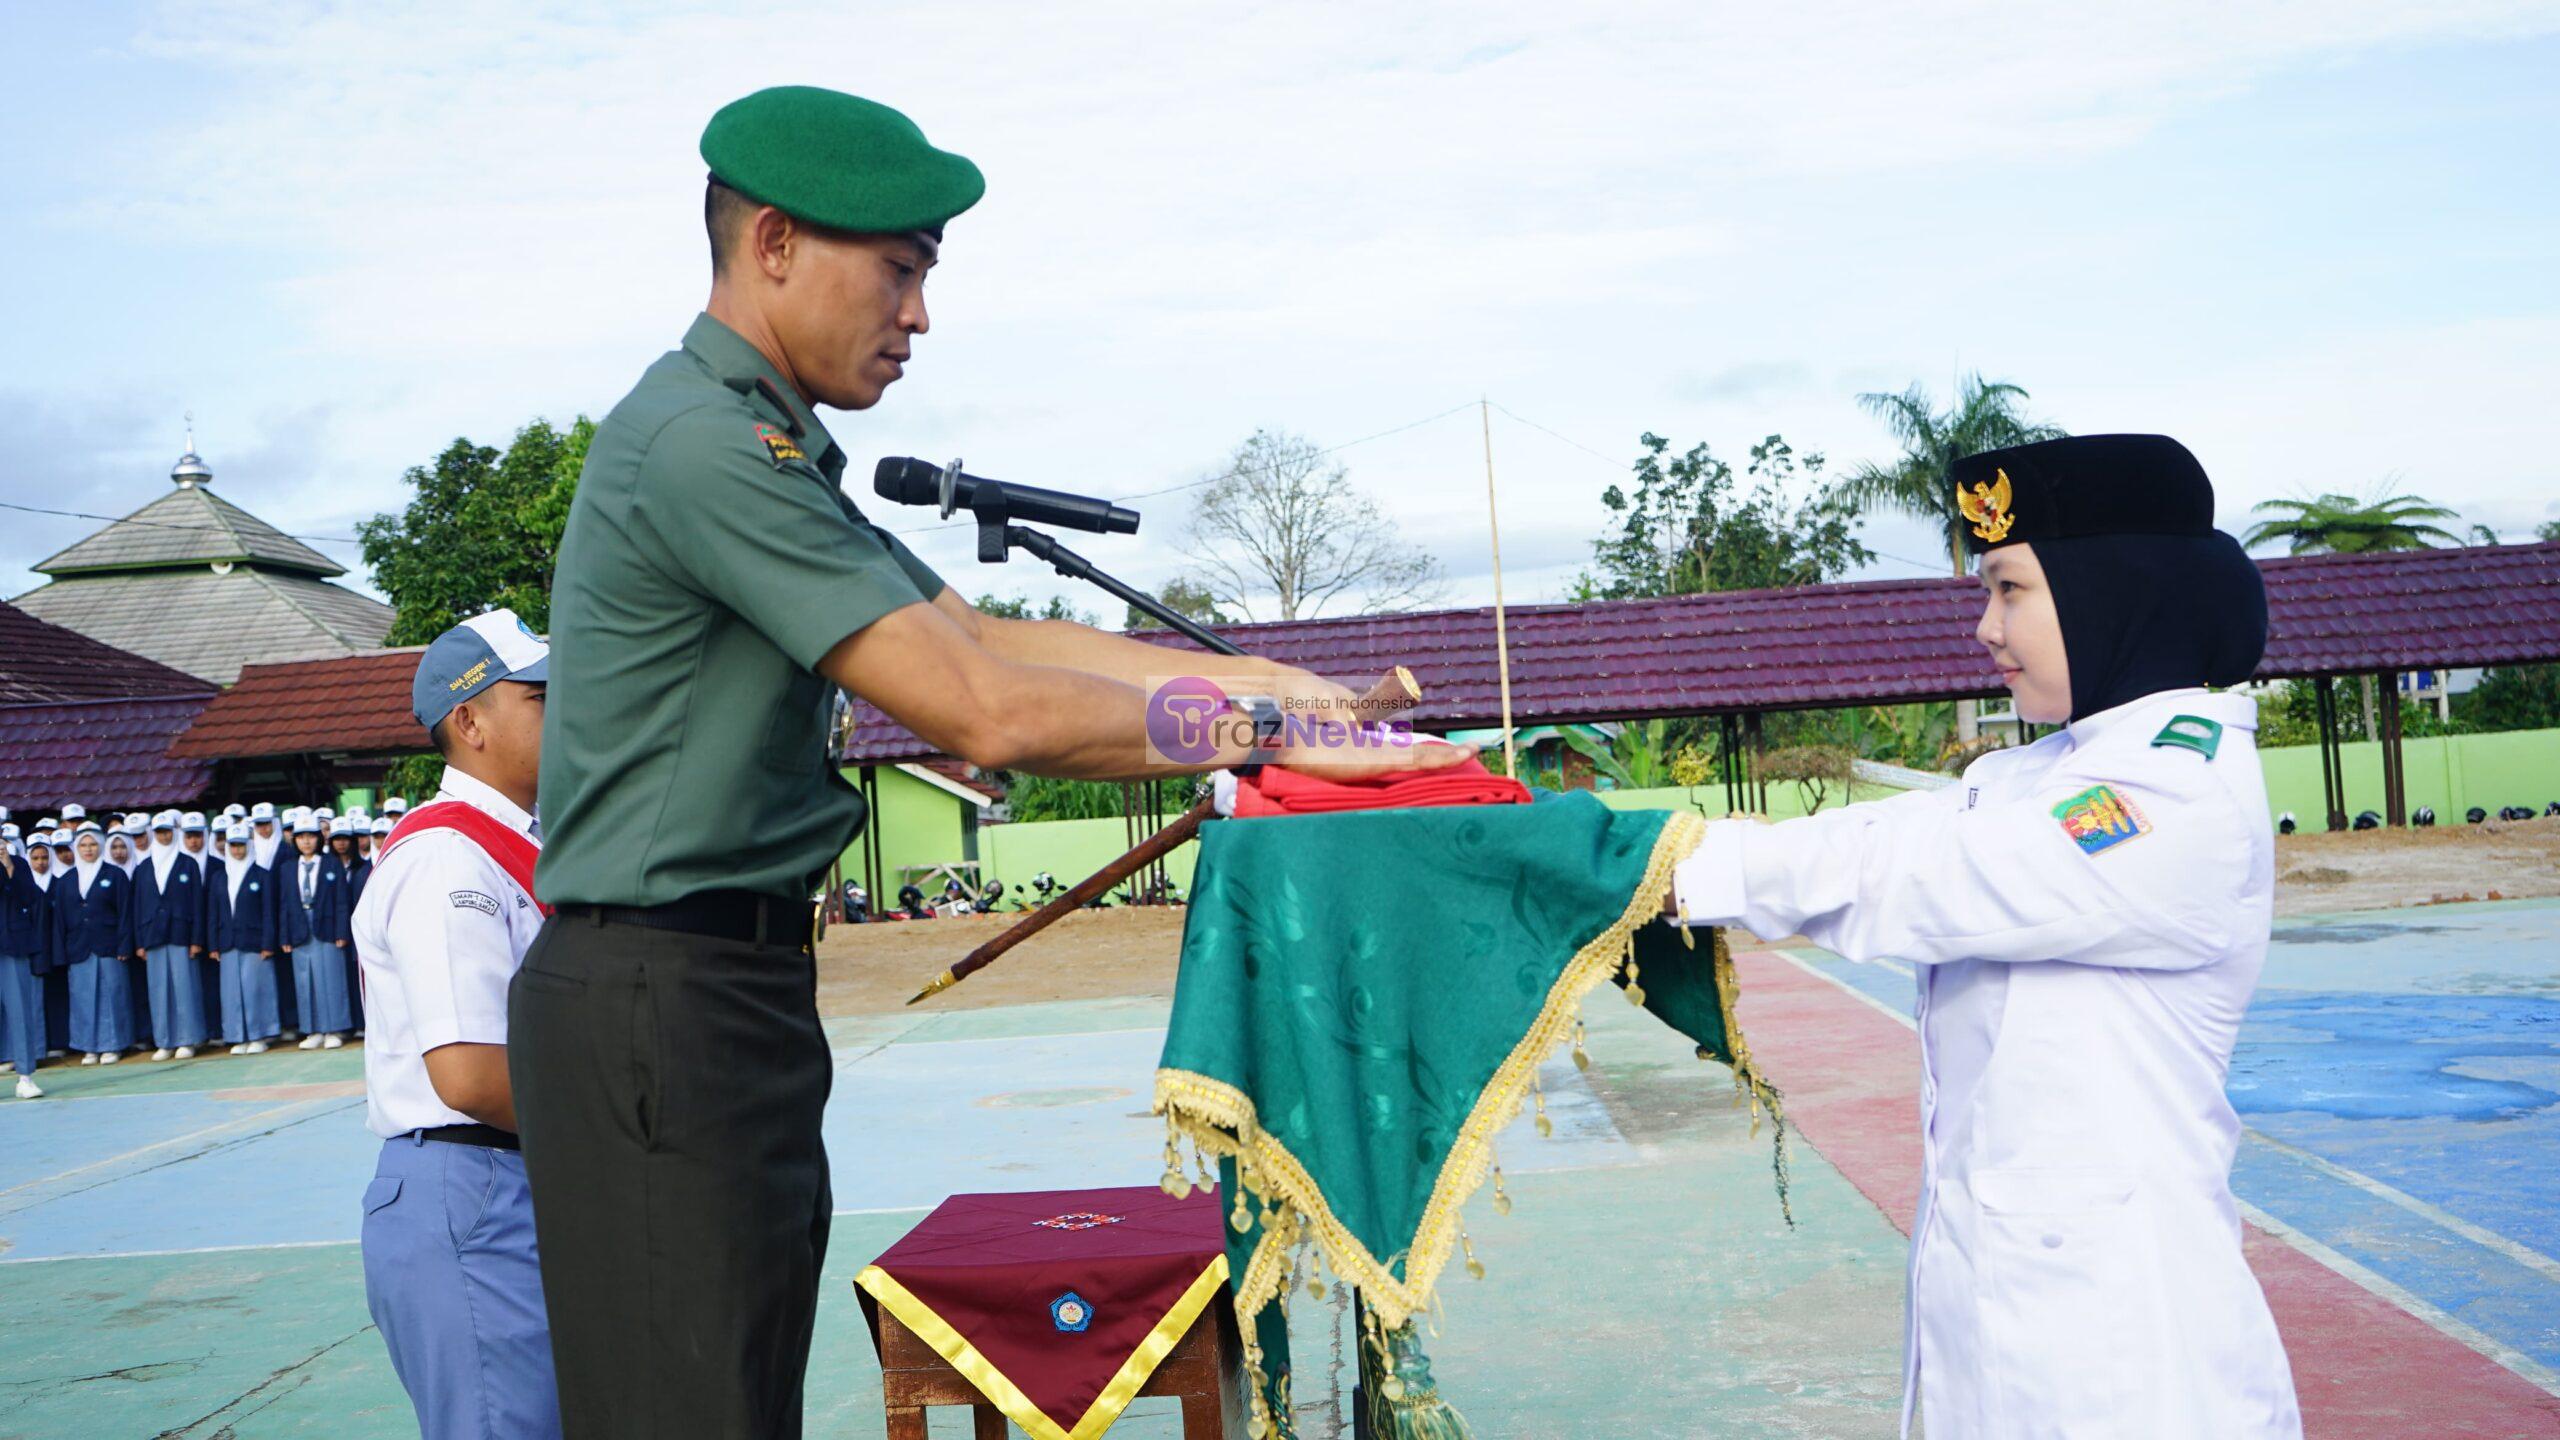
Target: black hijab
[(2146, 613)]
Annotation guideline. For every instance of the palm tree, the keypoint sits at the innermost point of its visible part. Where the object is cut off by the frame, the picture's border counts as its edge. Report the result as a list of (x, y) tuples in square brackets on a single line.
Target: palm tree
[(2335, 524), (1985, 417)]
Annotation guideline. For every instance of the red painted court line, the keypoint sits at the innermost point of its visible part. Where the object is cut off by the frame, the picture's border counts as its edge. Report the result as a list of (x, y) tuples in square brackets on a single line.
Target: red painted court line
[(2363, 1367)]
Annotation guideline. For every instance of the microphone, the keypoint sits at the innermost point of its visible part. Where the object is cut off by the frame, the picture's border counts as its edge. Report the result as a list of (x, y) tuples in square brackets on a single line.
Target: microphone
[(910, 481)]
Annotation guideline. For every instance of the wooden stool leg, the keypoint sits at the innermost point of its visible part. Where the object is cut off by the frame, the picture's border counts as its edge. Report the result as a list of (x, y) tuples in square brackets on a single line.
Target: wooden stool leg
[(906, 1422), (1203, 1417), (990, 1422)]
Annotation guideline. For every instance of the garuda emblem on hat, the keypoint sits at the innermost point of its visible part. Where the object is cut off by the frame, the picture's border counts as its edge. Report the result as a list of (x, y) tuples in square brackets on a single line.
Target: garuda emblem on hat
[(1987, 506)]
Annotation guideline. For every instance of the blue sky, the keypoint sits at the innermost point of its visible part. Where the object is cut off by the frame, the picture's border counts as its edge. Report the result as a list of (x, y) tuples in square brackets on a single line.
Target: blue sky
[(2315, 241)]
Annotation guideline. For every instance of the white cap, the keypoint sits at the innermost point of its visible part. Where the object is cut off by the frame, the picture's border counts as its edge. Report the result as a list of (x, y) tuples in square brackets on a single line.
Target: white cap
[(261, 811), (305, 825), (74, 810), (89, 827), (236, 835), (382, 827), (165, 820), (396, 805), (325, 813), (192, 821), (342, 826), (234, 810)]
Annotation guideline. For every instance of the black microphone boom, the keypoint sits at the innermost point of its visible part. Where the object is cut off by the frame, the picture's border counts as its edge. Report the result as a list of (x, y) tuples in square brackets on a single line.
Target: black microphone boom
[(910, 481)]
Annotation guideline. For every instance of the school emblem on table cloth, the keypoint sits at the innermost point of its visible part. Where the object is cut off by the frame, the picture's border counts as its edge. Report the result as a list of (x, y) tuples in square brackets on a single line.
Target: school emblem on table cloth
[(782, 446), (2098, 819), (1070, 1313), (1077, 1220), (1987, 506)]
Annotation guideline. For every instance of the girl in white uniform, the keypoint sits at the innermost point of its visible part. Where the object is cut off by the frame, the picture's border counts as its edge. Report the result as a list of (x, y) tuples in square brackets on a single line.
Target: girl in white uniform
[(2087, 916)]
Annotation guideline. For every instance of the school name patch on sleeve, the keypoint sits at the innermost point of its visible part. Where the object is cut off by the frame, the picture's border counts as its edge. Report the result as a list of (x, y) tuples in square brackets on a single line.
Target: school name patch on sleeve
[(2098, 819), (474, 900)]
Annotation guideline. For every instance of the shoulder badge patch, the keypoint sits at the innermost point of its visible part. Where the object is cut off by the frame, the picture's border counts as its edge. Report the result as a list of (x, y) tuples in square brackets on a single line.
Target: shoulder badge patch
[(2098, 819), (474, 900), (781, 446), (2190, 732)]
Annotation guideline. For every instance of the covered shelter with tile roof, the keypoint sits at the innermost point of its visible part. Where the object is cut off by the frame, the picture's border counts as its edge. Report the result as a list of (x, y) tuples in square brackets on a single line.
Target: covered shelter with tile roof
[(197, 583), (1735, 655), (309, 727), (84, 721)]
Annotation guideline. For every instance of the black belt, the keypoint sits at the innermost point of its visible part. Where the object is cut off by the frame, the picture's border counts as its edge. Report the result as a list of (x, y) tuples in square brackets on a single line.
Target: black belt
[(722, 914), (489, 1136)]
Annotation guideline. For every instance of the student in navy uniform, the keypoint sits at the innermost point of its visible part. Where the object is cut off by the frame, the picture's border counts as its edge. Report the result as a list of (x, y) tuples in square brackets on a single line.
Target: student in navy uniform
[(97, 934), (303, 882), (242, 929), (168, 911), (324, 964), (57, 982), (204, 963), (23, 961)]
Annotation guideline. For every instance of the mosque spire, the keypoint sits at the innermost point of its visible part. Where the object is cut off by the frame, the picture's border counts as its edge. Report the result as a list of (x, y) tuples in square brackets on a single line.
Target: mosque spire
[(190, 471)]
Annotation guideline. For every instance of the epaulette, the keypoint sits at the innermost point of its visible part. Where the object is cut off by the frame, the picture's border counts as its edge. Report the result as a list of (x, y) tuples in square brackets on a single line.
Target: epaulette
[(2191, 732)]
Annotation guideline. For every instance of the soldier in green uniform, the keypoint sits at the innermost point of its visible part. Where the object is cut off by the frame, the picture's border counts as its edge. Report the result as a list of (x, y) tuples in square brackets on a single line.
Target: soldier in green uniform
[(713, 586)]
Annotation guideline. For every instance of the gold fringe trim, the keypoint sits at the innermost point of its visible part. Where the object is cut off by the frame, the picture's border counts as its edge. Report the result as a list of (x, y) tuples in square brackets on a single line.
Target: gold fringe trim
[(1219, 1120)]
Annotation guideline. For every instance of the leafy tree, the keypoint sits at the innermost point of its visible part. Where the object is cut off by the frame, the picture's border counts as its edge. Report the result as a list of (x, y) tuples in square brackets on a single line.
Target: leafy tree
[(1813, 769), (2513, 697), (1041, 797), (1015, 607), (481, 530), (1985, 416), (1687, 528), (1283, 529), (2336, 524), (2547, 530), (1184, 597)]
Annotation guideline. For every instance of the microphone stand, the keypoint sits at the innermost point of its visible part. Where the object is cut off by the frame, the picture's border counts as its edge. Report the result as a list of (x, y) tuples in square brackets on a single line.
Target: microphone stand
[(997, 534)]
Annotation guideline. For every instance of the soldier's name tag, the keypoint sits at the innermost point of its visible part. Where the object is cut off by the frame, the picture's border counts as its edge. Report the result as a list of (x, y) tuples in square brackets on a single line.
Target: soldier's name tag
[(781, 446), (2098, 820)]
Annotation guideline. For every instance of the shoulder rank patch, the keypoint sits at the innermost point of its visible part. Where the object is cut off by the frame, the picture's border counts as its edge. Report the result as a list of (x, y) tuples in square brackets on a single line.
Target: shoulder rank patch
[(2098, 819), (2190, 732), (781, 446)]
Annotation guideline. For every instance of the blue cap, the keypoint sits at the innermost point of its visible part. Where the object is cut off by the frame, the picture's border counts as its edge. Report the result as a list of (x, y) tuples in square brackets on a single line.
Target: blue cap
[(473, 656)]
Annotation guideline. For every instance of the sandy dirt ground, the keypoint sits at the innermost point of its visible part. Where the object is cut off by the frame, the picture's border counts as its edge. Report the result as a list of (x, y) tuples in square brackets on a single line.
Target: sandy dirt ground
[(1102, 954)]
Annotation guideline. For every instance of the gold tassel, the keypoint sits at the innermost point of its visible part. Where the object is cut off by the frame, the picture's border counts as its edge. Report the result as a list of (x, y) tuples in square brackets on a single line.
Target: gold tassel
[(1581, 1057), (1501, 1197), (1467, 1246)]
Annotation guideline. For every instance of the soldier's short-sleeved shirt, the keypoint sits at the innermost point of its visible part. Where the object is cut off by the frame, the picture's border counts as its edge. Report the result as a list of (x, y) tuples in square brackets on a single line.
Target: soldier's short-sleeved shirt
[(711, 560)]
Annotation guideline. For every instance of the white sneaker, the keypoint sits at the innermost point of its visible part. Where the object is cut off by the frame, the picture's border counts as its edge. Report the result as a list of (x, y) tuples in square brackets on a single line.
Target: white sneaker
[(111, 1058), (88, 1059), (160, 1054), (334, 1042), (27, 1089), (186, 1052), (8, 1067), (309, 1042), (57, 1054), (254, 1047), (239, 1049)]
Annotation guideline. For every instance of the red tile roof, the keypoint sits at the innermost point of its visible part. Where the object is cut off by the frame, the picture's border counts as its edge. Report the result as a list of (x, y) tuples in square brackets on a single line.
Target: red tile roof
[(41, 663), (1871, 642), (346, 704), (102, 753)]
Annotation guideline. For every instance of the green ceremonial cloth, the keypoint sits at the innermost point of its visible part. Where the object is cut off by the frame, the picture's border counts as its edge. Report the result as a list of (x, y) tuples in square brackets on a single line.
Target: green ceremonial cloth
[(1363, 1004)]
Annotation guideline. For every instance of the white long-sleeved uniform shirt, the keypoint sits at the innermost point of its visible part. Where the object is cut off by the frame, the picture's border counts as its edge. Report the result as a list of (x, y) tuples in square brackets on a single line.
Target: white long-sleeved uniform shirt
[(2088, 915), (440, 932)]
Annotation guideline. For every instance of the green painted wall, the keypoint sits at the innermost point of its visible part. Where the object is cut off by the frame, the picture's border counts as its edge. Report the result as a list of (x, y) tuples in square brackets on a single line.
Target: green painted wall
[(914, 823), (2452, 773), (1068, 849)]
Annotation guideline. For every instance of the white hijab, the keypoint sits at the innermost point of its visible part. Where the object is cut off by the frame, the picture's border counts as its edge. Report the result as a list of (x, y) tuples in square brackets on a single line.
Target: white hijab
[(87, 870), (262, 848), (164, 860), (236, 868)]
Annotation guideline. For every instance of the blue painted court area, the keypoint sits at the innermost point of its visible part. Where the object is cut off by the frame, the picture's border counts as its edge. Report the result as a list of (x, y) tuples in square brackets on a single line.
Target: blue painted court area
[(2399, 1075)]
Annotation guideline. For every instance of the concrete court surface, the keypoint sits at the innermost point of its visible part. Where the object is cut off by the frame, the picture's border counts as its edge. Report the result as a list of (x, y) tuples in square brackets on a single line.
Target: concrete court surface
[(177, 1256)]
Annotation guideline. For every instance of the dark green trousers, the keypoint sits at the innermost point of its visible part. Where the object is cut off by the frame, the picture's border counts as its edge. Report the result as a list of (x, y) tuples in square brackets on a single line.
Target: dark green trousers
[(668, 1088)]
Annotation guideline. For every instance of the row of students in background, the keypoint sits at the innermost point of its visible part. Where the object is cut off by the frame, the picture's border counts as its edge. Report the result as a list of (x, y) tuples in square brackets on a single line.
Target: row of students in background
[(177, 931)]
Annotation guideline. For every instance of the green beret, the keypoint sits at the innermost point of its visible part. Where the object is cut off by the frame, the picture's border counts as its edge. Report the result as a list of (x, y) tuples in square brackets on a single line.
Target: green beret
[(837, 160)]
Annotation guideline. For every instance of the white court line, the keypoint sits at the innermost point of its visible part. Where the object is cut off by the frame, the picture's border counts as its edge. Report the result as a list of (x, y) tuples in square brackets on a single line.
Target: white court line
[(2523, 1365), (152, 1254)]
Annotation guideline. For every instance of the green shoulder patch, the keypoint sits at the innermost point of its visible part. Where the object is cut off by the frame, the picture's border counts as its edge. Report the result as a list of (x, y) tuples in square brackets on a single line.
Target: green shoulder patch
[(2191, 732), (781, 446)]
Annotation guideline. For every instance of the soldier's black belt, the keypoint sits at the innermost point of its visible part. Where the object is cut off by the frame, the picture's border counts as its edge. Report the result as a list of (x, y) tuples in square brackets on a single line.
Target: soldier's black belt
[(487, 1136), (739, 915)]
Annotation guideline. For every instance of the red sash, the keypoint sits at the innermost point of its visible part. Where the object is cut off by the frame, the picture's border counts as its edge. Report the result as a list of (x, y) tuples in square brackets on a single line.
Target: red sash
[(514, 853)]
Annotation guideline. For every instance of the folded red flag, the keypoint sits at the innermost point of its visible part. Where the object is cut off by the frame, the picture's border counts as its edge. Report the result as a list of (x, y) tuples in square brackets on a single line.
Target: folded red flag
[(1274, 791)]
